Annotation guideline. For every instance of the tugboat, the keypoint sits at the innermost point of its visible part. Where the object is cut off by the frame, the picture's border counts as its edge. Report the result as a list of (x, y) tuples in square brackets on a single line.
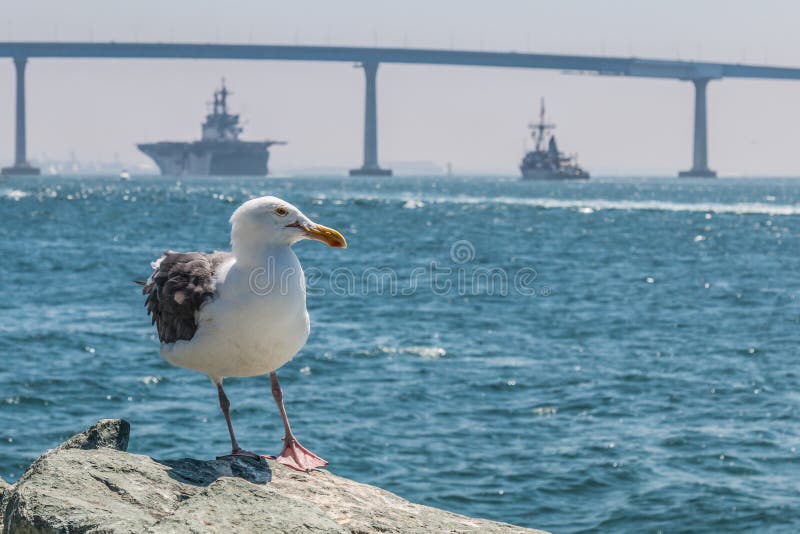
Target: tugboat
[(219, 152), (549, 164)]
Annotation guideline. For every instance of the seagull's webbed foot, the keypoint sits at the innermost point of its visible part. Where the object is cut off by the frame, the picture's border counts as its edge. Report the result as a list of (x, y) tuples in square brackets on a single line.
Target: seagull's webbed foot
[(293, 454), (298, 457), (239, 453)]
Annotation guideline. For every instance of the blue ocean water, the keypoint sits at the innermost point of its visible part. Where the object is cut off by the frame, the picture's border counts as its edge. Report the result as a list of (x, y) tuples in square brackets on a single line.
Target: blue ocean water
[(614, 355)]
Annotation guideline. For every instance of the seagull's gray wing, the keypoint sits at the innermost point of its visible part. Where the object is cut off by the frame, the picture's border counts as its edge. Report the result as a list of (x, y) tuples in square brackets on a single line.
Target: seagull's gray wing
[(180, 284)]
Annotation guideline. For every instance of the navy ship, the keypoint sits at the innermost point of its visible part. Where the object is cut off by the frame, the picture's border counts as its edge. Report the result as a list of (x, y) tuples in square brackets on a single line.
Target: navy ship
[(549, 163), (219, 152)]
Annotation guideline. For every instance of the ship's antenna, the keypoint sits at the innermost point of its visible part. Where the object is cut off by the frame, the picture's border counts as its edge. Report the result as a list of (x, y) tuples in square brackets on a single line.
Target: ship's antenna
[(540, 139), (540, 128), (223, 94), (541, 110)]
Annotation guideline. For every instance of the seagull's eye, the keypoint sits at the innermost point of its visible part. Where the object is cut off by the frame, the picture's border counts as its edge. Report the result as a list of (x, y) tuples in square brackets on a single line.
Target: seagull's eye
[(282, 211)]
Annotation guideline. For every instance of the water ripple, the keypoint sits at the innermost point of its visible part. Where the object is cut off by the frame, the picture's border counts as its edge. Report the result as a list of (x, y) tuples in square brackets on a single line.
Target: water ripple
[(652, 387)]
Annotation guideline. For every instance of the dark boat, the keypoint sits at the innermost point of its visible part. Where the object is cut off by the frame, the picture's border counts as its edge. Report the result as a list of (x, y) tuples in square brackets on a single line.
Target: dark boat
[(548, 164), (219, 152)]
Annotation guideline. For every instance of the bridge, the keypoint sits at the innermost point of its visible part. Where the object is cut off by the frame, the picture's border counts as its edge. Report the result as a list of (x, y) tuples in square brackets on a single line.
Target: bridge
[(697, 73)]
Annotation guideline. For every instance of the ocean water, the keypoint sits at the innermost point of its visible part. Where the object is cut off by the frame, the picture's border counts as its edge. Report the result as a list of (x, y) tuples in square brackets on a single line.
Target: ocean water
[(614, 355)]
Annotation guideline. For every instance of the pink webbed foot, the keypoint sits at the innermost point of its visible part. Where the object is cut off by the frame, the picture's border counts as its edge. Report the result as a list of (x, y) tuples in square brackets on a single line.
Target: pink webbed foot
[(240, 453), (298, 457)]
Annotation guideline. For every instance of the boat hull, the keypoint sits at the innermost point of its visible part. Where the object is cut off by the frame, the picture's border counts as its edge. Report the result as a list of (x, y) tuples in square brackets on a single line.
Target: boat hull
[(548, 174), (210, 158)]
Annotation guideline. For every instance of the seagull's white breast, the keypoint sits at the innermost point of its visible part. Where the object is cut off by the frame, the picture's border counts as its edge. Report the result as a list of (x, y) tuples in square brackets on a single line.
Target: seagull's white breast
[(256, 323)]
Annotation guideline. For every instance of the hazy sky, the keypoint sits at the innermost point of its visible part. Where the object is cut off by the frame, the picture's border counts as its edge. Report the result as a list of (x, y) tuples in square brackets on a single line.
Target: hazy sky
[(473, 117)]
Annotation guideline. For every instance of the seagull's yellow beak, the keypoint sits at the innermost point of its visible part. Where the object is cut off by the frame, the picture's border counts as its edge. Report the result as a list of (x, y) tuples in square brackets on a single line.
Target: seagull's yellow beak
[(329, 236)]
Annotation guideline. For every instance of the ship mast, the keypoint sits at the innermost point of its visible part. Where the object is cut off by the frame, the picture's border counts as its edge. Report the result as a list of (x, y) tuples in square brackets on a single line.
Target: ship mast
[(538, 130), (223, 98), (221, 125)]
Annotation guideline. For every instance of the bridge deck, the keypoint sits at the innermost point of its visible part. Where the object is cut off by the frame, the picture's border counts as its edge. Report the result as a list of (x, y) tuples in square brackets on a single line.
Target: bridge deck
[(614, 66)]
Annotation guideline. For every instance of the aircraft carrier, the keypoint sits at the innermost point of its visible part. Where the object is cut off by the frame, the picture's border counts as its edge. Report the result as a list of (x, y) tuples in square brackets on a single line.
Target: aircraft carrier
[(219, 152), (549, 164)]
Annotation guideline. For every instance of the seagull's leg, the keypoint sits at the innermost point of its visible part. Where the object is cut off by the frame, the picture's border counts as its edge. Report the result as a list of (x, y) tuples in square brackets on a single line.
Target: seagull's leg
[(225, 404), (293, 454)]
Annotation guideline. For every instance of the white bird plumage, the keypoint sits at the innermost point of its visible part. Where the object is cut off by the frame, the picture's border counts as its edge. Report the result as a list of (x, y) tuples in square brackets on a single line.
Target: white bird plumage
[(244, 313)]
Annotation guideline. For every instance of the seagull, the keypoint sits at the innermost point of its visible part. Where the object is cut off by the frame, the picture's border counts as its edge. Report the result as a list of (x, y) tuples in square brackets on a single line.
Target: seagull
[(240, 313)]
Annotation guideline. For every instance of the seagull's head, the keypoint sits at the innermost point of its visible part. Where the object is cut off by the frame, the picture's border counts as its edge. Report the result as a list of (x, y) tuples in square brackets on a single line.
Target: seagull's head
[(268, 221)]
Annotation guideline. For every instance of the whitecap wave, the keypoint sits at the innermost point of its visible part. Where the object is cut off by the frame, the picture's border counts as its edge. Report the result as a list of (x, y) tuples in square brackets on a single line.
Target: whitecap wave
[(430, 353), (589, 205), (411, 204), (13, 194)]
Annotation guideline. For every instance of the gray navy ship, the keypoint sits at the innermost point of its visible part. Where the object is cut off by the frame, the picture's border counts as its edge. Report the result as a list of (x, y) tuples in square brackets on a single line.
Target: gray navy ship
[(219, 152), (549, 163)]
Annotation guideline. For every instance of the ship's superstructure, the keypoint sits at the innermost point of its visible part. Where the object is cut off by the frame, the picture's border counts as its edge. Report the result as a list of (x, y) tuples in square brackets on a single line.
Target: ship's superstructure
[(219, 151), (548, 163)]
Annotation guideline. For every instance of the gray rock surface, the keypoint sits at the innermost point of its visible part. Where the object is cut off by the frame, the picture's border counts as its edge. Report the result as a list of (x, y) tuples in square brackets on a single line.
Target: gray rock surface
[(104, 434), (91, 485), (3, 486)]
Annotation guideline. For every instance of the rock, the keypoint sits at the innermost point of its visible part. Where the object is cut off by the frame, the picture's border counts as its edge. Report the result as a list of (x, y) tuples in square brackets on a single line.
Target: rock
[(90, 484), (3, 487), (104, 434)]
